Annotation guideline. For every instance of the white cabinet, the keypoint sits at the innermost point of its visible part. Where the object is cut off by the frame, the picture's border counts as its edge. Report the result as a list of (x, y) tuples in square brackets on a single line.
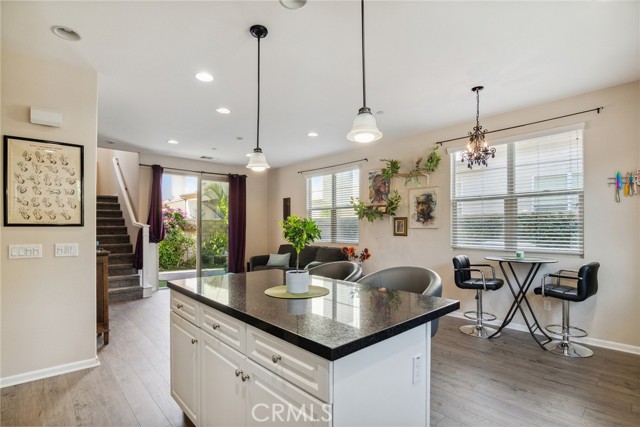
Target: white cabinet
[(222, 389), (184, 365), (274, 401)]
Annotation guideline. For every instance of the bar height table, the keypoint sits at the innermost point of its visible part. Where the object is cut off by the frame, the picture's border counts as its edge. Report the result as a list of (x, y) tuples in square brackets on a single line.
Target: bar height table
[(520, 295)]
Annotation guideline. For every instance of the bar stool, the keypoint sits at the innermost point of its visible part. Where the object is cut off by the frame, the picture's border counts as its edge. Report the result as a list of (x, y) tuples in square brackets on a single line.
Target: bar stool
[(463, 279), (586, 285)]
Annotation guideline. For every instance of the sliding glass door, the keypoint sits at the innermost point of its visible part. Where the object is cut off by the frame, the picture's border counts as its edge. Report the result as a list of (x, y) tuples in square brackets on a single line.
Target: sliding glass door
[(195, 212)]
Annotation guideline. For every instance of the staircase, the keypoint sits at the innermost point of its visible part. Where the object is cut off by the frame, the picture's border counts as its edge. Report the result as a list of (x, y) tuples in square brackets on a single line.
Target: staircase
[(111, 233)]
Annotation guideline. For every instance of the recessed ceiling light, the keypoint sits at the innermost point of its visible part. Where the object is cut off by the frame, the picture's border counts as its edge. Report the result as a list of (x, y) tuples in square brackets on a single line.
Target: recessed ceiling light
[(312, 134), (239, 138), (65, 33), (173, 141), (293, 4), (223, 110), (203, 76), (206, 157)]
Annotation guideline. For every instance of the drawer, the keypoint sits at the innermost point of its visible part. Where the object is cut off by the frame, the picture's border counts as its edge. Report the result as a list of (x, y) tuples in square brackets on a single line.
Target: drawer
[(224, 327), (272, 400), (184, 307), (298, 366)]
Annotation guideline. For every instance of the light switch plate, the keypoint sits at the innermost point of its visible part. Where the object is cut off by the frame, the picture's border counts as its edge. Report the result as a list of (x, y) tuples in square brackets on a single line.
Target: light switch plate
[(66, 249), (33, 250)]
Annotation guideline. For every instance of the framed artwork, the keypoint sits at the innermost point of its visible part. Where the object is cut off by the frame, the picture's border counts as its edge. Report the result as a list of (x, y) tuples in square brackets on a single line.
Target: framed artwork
[(400, 226), (423, 206), (379, 188), (43, 183), (286, 208)]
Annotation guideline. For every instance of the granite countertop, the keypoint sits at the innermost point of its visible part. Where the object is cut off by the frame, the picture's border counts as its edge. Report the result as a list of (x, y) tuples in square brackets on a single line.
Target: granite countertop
[(349, 318)]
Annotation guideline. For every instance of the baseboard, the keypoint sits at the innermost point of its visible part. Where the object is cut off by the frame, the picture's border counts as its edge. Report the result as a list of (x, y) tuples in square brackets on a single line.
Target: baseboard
[(48, 372), (596, 342)]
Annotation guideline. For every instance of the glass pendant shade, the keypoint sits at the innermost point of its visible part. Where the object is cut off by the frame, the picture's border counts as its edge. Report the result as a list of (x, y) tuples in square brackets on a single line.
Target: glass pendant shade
[(364, 128), (258, 161)]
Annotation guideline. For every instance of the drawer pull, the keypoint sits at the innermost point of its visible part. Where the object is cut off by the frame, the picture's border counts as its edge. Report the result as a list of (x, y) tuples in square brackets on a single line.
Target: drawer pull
[(245, 377), (238, 373), (179, 306), (193, 340), (275, 358), (215, 326)]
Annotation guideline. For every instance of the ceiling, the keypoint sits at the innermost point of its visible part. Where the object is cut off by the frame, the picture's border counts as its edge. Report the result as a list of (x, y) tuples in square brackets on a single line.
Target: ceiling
[(422, 59)]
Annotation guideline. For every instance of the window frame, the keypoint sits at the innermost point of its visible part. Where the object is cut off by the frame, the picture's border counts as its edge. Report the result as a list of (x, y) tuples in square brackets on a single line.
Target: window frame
[(510, 212), (333, 209)]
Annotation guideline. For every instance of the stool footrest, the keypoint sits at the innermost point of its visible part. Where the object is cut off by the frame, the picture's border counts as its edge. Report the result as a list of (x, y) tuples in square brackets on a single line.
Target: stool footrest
[(472, 315), (560, 330)]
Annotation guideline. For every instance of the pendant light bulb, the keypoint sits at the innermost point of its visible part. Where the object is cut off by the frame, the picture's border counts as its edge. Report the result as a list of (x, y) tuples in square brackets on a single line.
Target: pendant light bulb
[(365, 128), (258, 161)]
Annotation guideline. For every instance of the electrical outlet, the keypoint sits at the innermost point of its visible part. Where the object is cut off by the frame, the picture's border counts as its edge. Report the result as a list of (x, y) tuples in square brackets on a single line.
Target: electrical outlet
[(417, 368), (547, 305)]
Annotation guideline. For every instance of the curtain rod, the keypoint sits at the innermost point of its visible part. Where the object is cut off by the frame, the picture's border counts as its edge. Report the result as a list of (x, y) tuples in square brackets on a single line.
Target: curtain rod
[(526, 124), (333, 166), (188, 170)]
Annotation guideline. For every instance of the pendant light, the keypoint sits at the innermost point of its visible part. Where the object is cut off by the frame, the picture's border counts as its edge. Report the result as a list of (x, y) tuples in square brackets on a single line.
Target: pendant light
[(478, 151), (257, 160), (364, 127)]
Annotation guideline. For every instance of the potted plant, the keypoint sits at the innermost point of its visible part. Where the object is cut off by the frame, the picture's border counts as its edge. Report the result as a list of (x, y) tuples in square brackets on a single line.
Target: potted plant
[(299, 232)]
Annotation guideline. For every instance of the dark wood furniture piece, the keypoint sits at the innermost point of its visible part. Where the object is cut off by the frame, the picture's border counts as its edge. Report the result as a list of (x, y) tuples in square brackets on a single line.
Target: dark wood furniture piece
[(102, 294)]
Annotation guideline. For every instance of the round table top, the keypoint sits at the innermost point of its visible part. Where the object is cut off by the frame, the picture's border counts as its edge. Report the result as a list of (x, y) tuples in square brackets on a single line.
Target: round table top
[(525, 260)]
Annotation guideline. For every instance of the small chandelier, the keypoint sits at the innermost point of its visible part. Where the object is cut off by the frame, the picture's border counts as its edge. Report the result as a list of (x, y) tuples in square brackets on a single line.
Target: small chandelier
[(257, 160), (364, 129), (478, 151)]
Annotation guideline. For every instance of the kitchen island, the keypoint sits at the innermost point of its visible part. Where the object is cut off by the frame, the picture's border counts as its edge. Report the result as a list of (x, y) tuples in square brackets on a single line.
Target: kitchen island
[(357, 356)]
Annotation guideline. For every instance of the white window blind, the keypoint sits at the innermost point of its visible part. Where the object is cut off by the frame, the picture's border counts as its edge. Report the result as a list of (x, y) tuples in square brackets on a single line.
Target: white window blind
[(530, 197), (328, 204)]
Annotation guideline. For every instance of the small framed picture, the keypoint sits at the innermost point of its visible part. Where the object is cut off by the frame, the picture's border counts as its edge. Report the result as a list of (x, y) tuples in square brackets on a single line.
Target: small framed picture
[(400, 226), (43, 183)]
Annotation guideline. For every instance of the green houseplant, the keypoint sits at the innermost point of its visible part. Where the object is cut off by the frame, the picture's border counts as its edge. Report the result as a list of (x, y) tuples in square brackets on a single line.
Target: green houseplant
[(299, 232)]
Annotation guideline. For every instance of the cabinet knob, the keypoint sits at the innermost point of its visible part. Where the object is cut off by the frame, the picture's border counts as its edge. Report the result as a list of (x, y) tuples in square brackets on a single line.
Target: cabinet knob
[(193, 340), (215, 326), (179, 306), (245, 377), (275, 358), (238, 373)]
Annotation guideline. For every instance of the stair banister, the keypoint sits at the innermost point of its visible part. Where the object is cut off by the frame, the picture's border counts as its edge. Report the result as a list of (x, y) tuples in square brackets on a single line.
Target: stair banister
[(147, 258)]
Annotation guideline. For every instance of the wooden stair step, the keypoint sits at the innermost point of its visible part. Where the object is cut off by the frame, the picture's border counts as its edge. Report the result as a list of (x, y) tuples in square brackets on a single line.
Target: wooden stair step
[(117, 248), (111, 230), (105, 222), (106, 213), (109, 239), (126, 293), (124, 281)]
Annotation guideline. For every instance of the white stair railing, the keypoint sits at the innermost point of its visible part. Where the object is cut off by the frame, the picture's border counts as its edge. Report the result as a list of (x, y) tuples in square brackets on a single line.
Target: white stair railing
[(149, 285)]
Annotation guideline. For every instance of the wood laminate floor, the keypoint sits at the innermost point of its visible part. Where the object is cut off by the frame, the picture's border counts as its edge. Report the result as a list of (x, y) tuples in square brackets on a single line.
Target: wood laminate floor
[(504, 382)]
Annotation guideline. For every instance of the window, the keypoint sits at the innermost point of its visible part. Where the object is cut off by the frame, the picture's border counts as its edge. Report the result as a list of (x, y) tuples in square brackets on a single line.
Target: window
[(530, 197), (328, 204)]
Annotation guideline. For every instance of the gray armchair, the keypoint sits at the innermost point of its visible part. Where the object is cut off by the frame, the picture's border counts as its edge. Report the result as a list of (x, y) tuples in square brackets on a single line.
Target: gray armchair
[(420, 280), (340, 270)]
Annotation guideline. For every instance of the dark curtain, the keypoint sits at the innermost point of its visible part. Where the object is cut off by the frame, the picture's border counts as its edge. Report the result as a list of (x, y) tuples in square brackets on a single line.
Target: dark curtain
[(156, 225), (237, 222)]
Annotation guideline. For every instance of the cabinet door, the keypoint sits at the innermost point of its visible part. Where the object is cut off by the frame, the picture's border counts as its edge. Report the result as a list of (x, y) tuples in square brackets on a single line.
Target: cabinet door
[(184, 365), (223, 393), (274, 401)]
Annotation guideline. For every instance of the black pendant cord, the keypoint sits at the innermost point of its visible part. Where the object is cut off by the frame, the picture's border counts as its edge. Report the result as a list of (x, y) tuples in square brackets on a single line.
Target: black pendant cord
[(364, 87), (258, 118), (598, 109)]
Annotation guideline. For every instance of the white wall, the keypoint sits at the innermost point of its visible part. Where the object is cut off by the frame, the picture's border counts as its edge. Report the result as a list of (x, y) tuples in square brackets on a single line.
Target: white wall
[(612, 230), (257, 197), (48, 304)]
